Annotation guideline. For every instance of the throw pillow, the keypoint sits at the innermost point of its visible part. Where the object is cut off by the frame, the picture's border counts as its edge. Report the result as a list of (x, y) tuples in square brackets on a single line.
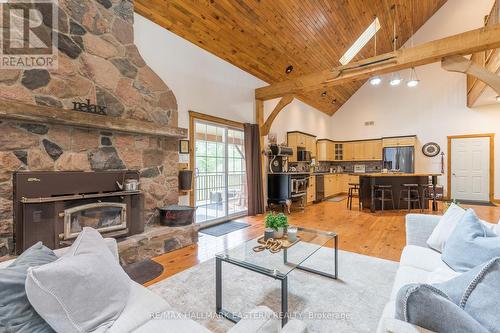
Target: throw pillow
[(16, 312), (425, 306), (85, 290), (478, 293), (445, 227), (470, 244)]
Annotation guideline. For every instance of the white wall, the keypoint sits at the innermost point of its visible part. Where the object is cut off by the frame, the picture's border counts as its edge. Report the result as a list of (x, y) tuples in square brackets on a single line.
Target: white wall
[(434, 109), (298, 116)]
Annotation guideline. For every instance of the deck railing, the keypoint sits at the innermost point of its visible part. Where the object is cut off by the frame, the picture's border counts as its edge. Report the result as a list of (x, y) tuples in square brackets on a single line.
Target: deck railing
[(207, 183)]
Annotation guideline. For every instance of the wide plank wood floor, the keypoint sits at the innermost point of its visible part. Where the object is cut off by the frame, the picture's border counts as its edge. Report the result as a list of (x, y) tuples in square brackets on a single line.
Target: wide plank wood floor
[(379, 235)]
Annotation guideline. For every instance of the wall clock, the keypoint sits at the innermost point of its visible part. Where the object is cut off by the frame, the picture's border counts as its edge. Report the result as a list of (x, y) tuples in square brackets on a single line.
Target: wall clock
[(431, 149)]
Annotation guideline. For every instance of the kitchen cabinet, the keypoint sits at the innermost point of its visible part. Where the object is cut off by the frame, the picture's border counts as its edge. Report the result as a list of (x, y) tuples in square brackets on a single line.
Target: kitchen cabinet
[(348, 151), (311, 189), (325, 150), (364, 150), (333, 184), (404, 141), (311, 145), (300, 140), (372, 150)]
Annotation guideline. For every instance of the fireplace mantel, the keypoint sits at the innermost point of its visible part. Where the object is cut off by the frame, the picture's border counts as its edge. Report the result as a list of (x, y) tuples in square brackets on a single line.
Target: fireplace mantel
[(50, 115)]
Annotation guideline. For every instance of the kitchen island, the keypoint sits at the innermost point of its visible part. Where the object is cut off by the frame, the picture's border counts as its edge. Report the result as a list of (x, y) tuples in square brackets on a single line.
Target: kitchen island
[(368, 181)]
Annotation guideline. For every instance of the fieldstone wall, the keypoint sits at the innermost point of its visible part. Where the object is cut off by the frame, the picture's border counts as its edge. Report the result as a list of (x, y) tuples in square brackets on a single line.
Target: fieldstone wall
[(97, 61)]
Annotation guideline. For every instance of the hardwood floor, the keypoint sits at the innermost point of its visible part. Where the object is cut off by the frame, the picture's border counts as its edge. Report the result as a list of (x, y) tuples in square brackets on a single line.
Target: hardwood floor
[(378, 235)]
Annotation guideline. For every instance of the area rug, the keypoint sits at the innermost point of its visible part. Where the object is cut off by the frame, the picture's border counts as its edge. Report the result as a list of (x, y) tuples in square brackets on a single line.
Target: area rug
[(338, 198), (224, 228), (143, 271), (353, 303)]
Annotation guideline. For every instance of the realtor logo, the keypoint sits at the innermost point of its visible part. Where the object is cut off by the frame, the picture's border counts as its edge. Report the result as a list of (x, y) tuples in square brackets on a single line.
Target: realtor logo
[(28, 38)]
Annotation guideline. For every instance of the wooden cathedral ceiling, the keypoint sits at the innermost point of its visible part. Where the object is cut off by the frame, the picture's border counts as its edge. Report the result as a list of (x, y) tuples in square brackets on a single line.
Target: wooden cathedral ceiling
[(263, 37)]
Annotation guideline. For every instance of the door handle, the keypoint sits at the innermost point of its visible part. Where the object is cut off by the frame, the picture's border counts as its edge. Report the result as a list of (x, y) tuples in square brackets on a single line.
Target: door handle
[(453, 174)]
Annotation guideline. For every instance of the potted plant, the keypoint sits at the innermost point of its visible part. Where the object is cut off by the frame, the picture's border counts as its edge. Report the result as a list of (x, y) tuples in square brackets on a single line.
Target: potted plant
[(277, 222)]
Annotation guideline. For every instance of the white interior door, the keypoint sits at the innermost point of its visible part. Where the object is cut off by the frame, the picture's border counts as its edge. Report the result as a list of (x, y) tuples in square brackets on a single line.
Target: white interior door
[(470, 169)]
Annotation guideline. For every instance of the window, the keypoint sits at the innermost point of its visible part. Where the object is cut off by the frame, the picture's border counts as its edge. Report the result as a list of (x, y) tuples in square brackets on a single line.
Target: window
[(361, 42), (220, 178)]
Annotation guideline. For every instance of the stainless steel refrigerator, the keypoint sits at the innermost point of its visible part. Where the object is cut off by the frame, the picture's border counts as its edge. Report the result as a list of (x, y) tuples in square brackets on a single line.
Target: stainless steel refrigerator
[(401, 159)]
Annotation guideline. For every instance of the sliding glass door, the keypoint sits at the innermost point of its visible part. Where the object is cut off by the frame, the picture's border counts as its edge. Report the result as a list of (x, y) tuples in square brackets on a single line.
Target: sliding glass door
[(220, 179)]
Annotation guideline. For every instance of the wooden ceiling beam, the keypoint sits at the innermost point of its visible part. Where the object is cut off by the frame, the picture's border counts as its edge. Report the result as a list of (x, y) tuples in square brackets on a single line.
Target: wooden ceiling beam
[(463, 65), (264, 129), (461, 44)]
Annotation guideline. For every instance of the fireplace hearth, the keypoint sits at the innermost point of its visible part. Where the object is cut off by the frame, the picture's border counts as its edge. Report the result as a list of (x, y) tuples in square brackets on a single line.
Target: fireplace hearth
[(53, 207)]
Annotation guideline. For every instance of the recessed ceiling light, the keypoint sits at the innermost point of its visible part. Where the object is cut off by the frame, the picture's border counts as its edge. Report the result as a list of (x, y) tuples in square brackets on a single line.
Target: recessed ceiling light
[(323, 94), (360, 42), (289, 69), (395, 79), (334, 101), (375, 81)]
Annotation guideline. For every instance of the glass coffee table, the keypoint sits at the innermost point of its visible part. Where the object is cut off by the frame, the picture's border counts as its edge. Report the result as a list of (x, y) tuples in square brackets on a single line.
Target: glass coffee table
[(277, 265)]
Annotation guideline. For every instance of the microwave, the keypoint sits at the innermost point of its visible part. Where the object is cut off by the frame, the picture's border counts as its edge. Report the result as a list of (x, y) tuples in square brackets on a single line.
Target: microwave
[(303, 156)]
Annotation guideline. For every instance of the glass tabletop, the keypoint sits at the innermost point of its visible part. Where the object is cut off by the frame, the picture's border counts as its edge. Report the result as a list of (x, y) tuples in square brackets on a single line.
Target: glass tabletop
[(282, 262)]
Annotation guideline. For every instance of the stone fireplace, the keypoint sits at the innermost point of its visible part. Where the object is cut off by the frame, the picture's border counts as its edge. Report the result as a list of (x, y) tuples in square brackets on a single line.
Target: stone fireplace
[(99, 62)]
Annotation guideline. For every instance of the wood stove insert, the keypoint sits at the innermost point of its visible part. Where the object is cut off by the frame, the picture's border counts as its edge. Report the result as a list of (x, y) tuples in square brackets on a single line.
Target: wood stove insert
[(53, 207)]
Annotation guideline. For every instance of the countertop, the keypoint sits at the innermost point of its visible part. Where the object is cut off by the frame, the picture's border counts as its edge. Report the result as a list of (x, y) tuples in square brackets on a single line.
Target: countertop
[(395, 174)]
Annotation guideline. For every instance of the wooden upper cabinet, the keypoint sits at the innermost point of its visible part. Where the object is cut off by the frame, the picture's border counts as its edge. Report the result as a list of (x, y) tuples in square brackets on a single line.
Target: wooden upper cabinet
[(321, 147), (300, 140), (311, 145), (292, 143), (403, 141), (325, 150), (348, 151)]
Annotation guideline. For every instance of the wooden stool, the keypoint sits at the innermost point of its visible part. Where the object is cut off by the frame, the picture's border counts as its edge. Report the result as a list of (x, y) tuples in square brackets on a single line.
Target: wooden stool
[(353, 192), (409, 193), (383, 190), (430, 192)]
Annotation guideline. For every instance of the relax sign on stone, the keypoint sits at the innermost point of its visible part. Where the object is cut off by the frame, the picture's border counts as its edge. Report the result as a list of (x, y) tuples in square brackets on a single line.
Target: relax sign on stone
[(89, 108)]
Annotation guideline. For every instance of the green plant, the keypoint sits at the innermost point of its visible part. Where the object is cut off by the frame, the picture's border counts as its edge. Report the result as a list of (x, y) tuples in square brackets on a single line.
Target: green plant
[(276, 221)]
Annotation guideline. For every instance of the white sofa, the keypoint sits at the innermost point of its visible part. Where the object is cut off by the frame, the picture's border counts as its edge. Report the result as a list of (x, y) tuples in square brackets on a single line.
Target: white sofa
[(147, 312), (418, 264)]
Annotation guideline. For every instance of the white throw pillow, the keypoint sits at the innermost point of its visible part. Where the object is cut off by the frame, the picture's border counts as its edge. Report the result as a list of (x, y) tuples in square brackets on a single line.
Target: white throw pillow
[(496, 228), (85, 290), (445, 227)]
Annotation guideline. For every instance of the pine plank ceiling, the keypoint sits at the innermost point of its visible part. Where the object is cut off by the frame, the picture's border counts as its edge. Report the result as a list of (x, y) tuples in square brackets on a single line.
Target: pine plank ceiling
[(264, 37)]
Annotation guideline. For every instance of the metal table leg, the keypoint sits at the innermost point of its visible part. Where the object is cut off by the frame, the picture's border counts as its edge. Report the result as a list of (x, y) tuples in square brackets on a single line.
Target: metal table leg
[(284, 301), (230, 315)]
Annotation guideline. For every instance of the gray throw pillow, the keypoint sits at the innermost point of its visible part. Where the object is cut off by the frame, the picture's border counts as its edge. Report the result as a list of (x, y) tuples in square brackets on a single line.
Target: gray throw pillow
[(428, 307), (477, 292), (85, 290), (470, 244), (16, 313)]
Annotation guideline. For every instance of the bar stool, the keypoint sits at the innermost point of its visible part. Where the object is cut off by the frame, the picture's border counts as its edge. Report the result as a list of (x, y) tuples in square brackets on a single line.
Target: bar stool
[(353, 192), (383, 190), (409, 193), (430, 192)]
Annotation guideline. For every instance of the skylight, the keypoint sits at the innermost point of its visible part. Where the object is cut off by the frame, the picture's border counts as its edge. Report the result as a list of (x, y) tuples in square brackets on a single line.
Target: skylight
[(361, 42)]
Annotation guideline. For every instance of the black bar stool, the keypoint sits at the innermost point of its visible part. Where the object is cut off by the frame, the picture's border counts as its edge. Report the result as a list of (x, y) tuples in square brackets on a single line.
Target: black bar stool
[(383, 193), (409, 193), (353, 192)]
